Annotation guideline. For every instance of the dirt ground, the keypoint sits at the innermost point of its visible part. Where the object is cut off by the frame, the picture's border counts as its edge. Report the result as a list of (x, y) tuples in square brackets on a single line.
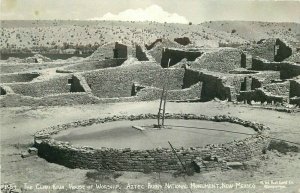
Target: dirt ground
[(269, 173)]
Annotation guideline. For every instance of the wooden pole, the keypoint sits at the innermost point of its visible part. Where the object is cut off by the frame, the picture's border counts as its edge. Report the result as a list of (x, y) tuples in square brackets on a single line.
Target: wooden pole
[(159, 110), (177, 156), (164, 108)]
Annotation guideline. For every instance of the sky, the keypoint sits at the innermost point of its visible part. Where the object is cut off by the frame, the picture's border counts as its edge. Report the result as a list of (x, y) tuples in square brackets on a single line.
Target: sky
[(171, 11)]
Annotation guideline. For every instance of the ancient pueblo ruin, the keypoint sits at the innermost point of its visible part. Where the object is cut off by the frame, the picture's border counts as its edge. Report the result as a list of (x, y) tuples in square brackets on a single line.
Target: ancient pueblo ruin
[(195, 91)]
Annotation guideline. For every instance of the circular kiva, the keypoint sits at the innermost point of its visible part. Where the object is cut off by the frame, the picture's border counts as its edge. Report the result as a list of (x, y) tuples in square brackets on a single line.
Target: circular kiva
[(168, 158)]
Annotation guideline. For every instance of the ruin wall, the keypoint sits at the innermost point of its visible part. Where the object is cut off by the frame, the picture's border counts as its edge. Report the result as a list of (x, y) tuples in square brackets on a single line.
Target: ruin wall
[(161, 159), (263, 49), (260, 95), (42, 88), (294, 88), (191, 93), (171, 56), (19, 77), (287, 69), (284, 51), (94, 65), (25, 67), (140, 53), (223, 60), (279, 89), (117, 82)]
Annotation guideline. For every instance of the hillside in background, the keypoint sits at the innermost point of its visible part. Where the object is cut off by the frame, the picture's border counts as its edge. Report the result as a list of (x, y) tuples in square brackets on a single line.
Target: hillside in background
[(88, 35), (254, 31)]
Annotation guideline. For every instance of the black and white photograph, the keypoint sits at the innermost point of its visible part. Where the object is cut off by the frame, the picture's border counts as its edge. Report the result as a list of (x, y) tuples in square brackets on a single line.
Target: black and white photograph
[(150, 96)]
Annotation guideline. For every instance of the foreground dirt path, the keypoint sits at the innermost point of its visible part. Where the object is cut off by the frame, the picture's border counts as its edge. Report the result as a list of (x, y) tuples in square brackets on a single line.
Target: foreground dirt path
[(19, 124)]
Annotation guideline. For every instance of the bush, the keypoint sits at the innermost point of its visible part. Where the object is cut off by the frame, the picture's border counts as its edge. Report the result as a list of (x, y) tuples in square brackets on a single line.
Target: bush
[(233, 31)]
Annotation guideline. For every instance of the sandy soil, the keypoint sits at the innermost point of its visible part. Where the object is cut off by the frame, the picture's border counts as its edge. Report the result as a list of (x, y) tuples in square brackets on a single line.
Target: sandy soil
[(19, 124)]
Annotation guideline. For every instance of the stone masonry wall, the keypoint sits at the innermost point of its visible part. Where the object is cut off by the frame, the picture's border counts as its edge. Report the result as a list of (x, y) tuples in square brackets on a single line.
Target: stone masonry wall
[(140, 53), (287, 69), (191, 93), (176, 55), (117, 82), (94, 65), (42, 88), (284, 51), (160, 159), (260, 95), (279, 89), (24, 67), (223, 60), (263, 49), (76, 85), (24, 77), (295, 88)]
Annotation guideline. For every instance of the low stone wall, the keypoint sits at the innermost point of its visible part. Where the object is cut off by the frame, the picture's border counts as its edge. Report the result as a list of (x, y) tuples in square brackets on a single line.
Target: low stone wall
[(287, 69), (24, 67), (161, 159), (279, 89), (152, 93), (10, 99), (52, 86), (260, 95), (19, 77), (93, 65), (16, 100)]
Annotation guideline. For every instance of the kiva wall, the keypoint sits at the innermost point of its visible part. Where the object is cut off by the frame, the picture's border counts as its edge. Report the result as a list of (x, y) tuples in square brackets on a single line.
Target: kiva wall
[(160, 159)]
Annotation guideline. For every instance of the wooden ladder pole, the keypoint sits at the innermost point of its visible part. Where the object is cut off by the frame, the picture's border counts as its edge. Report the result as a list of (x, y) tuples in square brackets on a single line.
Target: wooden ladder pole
[(159, 110), (164, 108)]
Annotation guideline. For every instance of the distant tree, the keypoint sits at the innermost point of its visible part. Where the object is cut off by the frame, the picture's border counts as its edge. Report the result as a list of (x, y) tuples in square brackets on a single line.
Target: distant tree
[(233, 31), (190, 23)]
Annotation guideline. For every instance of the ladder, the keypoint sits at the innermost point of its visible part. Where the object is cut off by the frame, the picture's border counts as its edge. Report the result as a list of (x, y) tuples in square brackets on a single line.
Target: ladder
[(162, 108), (162, 104)]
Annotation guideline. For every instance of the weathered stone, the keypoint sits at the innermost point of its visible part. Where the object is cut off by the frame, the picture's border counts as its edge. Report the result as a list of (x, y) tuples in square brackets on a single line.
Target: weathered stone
[(33, 150)]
